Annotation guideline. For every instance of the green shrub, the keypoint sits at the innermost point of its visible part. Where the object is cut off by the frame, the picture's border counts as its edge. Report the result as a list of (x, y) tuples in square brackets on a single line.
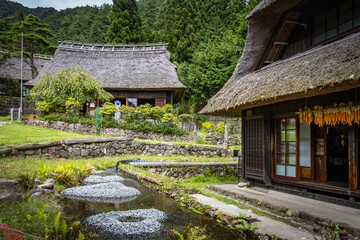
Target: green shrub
[(186, 118), (207, 127), (108, 109), (220, 128), (27, 180)]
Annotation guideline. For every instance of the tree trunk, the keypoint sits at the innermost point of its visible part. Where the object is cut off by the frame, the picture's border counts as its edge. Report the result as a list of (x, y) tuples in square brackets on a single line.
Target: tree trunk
[(32, 60)]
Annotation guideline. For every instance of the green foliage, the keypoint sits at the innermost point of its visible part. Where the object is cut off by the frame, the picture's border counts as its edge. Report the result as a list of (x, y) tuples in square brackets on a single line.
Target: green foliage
[(11, 9), (211, 128), (27, 180), (186, 118), (125, 23), (220, 128), (330, 231), (191, 233), (143, 111), (243, 223), (72, 106), (54, 89), (156, 113), (108, 109), (36, 38), (169, 118), (9, 86), (44, 171), (149, 11), (181, 27), (207, 127), (84, 24), (70, 174)]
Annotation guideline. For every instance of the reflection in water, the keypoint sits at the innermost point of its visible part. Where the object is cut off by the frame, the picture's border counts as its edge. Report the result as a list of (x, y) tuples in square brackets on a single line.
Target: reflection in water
[(177, 216)]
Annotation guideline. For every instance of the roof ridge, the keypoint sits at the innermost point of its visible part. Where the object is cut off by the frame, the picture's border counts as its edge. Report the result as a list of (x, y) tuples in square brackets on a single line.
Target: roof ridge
[(112, 47)]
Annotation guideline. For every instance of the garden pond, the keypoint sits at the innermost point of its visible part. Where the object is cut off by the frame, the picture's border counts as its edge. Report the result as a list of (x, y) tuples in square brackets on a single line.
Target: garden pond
[(177, 217)]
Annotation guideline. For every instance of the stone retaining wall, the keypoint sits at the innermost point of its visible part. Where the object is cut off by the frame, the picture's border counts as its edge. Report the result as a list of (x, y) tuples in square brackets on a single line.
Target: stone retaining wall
[(88, 129), (87, 148), (182, 170)]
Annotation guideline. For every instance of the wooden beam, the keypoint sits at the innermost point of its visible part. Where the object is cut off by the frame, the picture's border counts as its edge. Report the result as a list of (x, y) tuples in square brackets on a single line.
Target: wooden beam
[(353, 157), (243, 147), (292, 21), (281, 43), (267, 148)]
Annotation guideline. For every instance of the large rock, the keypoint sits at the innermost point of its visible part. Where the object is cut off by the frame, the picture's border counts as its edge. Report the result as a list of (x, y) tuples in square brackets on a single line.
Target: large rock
[(11, 185), (10, 197)]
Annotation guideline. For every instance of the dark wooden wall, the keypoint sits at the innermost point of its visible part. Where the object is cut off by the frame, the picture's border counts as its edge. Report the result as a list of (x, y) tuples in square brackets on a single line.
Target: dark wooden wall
[(159, 96)]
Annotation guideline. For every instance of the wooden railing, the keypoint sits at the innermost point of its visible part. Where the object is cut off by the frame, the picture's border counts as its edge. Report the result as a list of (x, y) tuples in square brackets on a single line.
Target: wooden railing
[(112, 47)]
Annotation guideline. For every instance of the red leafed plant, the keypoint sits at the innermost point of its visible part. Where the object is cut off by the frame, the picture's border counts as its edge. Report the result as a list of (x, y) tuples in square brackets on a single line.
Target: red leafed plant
[(10, 235)]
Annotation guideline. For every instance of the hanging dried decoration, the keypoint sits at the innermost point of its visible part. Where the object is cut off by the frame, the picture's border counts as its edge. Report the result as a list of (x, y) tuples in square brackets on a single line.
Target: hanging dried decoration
[(343, 113)]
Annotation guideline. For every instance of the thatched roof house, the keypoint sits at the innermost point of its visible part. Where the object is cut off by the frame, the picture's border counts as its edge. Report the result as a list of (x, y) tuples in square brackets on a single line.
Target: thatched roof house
[(296, 89), (319, 70), (126, 71), (10, 67)]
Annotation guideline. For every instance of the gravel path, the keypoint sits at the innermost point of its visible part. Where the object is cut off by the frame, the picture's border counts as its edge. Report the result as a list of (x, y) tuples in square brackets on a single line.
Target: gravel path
[(93, 179), (133, 224), (113, 192)]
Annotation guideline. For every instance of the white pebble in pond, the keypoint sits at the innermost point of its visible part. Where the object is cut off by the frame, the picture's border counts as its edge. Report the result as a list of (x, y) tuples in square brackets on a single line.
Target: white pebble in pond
[(113, 192), (131, 224), (99, 179)]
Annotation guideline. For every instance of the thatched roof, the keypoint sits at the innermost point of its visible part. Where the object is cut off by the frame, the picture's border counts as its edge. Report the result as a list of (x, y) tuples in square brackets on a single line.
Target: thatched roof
[(129, 69), (11, 67), (330, 68), (299, 74)]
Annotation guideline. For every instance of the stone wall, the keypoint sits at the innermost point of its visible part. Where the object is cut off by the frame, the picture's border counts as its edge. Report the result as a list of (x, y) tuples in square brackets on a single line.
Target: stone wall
[(87, 148), (88, 129), (183, 170)]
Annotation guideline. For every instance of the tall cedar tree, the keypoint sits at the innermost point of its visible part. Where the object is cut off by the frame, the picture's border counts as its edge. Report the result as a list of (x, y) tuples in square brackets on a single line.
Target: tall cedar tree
[(125, 26), (82, 24), (35, 38), (181, 22), (149, 14)]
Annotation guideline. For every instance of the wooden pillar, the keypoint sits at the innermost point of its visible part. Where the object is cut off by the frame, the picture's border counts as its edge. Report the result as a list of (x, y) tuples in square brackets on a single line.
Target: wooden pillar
[(267, 148), (243, 147), (353, 157)]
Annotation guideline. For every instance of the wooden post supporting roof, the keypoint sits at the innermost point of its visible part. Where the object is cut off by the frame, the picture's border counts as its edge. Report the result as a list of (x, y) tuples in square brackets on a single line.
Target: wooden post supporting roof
[(353, 157)]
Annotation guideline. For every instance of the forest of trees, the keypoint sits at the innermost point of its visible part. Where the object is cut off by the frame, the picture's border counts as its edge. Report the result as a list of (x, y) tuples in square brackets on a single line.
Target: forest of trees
[(206, 37)]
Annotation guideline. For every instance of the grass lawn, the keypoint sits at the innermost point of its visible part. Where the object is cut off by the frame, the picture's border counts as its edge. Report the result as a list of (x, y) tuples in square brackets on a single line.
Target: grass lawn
[(17, 134), (5, 118)]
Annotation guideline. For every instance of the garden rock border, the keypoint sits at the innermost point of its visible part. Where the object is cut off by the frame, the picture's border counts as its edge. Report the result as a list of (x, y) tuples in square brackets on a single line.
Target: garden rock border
[(119, 225), (99, 147)]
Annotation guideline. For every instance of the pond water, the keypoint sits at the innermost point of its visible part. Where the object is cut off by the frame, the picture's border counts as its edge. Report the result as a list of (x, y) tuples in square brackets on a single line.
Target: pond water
[(177, 217)]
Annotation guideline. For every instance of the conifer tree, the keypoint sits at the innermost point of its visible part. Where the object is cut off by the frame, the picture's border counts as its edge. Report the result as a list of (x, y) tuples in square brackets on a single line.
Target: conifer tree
[(181, 22), (125, 26), (36, 37)]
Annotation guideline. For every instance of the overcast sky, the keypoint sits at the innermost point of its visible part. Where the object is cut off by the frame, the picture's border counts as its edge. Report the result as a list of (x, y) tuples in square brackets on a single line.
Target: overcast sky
[(61, 4)]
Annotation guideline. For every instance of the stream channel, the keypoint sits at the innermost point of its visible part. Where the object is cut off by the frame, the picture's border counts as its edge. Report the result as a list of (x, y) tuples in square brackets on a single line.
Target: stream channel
[(178, 217)]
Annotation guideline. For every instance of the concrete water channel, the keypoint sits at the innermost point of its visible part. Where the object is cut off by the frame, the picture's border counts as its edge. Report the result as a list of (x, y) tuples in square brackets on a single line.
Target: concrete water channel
[(177, 217)]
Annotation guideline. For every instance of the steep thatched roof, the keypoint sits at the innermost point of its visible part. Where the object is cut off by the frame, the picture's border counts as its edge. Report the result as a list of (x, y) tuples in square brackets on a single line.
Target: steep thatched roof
[(246, 88), (11, 67), (330, 68), (129, 69)]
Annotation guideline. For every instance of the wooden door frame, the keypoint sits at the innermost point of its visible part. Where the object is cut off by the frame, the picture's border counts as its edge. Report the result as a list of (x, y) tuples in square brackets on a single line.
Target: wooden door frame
[(274, 159), (245, 118)]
